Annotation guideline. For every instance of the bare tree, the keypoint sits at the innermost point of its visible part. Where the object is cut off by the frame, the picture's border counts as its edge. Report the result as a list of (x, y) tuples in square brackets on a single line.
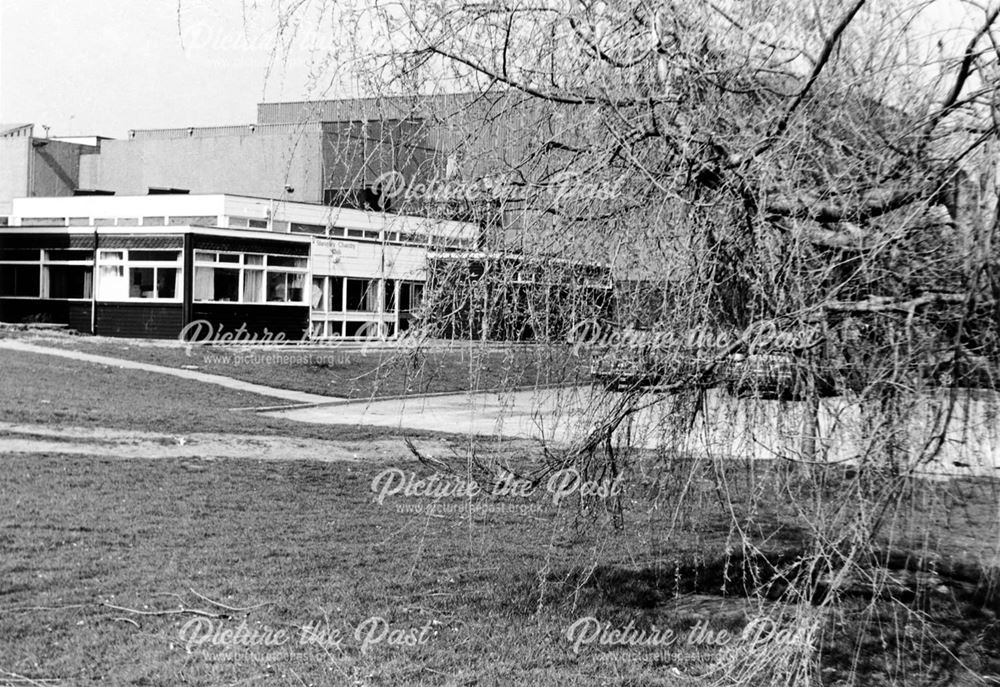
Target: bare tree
[(825, 168)]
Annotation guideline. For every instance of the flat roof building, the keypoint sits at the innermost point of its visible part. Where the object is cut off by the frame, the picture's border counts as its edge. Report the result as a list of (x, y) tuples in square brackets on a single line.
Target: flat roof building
[(154, 265)]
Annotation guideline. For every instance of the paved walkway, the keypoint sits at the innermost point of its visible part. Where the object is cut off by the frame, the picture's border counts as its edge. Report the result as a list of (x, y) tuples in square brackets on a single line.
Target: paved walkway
[(219, 380), (735, 427)]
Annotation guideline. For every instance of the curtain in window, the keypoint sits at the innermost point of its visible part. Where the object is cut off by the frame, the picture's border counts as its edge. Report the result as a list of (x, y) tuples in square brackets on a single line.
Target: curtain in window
[(204, 284), (253, 286), (113, 285)]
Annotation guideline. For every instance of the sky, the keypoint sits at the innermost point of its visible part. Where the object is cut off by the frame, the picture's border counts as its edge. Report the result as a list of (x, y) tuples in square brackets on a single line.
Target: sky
[(102, 67)]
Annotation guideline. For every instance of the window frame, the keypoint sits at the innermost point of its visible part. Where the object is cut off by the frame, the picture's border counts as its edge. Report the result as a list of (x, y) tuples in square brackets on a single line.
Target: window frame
[(127, 264)]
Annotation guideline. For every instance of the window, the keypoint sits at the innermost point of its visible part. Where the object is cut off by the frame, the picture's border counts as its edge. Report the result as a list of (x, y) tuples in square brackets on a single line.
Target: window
[(319, 298), (68, 255), (20, 280), (216, 284), (67, 273), (410, 296), (139, 274), (20, 273), (314, 229), (286, 261), (43, 221), (328, 294), (363, 234), (253, 286), (362, 295), (69, 281), (390, 296), (285, 287), (242, 277), (200, 220)]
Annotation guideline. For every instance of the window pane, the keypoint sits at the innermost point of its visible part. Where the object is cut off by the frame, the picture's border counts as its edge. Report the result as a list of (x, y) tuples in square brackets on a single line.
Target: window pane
[(277, 288), (19, 280), (70, 281), (390, 296), (360, 295), (253, 259), (319, 293), (404, 297), (111, 255), (286, 261), (43, 221), (112, 284), (202, 256), (296, 288), (21, 255), (227, 285), (200, 220), (154, 255), (337, 294), (141, 282), (229, 257), (314, 229), (204, 283), (253, 285), (215, 284), (166, 282), (65, 255)]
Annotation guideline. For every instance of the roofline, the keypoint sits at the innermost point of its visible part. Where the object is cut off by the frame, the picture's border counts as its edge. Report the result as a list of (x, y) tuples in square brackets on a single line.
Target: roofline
[(162, 230)]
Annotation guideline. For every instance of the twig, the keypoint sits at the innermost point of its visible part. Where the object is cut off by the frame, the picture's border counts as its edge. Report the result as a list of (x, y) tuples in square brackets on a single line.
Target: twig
[(172, 611), (222, 605)]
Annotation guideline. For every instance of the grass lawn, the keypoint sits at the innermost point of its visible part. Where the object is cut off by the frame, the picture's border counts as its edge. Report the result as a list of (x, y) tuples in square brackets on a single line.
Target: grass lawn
[(349, 372), (104, 560), (45, 389)]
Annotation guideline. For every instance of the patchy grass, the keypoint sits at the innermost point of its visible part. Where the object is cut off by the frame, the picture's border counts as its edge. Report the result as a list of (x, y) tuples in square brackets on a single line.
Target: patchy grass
[(294, 543), (92, 546), (349, 370), (45, 389)]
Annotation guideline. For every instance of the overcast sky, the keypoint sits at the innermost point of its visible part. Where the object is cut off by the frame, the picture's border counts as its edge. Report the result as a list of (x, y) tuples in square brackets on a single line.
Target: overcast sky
[(105, 66)]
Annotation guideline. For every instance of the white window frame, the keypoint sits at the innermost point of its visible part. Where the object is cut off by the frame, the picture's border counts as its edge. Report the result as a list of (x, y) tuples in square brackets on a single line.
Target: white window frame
[(128, 264), (47, 263), (264, 269)]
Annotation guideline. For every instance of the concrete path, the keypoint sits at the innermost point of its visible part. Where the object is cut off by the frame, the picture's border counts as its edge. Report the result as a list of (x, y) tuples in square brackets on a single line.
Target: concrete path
[(556, 415), (219, 380), (737, 428)]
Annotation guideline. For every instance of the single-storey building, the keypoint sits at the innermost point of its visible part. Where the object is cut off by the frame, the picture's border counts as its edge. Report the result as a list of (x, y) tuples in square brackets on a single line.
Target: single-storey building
[(171, 265)]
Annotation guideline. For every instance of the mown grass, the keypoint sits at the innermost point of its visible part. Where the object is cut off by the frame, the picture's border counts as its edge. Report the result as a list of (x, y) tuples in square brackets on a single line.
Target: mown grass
[(350, 371), (38, 388), (303, 542)]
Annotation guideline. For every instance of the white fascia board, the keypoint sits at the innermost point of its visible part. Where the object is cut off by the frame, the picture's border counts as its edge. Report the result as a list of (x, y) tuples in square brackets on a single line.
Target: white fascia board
[(120, 206), (162, 230)]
